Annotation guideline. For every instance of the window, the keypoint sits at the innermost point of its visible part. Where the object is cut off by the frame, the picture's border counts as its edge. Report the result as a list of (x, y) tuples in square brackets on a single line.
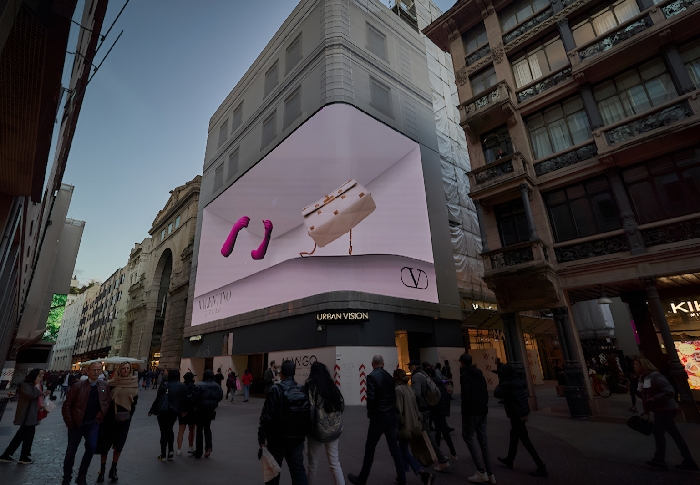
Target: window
[(376, 42), (170, 228), (219, 177), (177, 224), (558, 127), (162, 234), (582, 210), (269, 129), (380, 97), (484, 80), (496, 144), (237, 117), (666, 187), (512, 222), (518, 11), (271, 78), (604, 20), (292, 107), (232, 165), (634, 91), (293, 55), (475, 39), (539, 61), (223, 133), (690, 53)]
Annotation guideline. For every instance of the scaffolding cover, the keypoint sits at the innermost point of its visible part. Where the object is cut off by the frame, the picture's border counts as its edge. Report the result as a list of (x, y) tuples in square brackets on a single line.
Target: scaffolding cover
[(593, 320)]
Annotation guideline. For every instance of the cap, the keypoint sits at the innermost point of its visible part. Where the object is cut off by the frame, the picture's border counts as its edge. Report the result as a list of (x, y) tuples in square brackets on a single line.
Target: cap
[(414, 362)]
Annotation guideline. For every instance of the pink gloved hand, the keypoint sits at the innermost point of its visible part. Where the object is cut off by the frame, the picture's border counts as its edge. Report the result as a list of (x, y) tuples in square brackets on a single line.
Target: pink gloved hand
[(227, 248), (260, 252)]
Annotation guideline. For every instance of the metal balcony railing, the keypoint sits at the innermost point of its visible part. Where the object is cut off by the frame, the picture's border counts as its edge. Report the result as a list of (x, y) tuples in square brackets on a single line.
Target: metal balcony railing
[(570, 156), (543, 84), (517, 255), (610, 39), (502, 170)]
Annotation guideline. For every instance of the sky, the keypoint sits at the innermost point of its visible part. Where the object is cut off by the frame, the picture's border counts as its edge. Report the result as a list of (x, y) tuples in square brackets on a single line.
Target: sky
[(143, 126)]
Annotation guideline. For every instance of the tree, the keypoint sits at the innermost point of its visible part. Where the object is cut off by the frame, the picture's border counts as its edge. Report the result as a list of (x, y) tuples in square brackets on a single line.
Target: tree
[(53, 323)]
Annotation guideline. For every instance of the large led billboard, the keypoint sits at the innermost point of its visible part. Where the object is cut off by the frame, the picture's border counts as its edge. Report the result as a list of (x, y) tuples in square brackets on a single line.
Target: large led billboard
[(339, 205)]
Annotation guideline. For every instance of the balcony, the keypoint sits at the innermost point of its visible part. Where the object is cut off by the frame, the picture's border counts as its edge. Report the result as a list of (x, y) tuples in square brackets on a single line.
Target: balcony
[(487, 109), (516, 256), (512, 168), (671, 231), (527, 25), (593, 246), (571, 156), (478, 54), (610, 39), (678, 6), (539, 86)]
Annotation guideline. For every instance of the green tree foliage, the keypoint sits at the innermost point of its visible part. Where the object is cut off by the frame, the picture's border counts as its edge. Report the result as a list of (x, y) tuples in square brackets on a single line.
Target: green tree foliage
[(53, 323)]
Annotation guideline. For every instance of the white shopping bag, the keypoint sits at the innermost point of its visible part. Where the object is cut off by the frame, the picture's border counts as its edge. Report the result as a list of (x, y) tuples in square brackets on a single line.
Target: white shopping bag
[(270, 467), (49, 405)]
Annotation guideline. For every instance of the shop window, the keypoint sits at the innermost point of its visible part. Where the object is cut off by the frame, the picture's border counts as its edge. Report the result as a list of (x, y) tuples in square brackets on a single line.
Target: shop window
[(232, 168), (269, 129), (219, 177), (380, 97), (539, 61), (512, 222), (604, 20), (690, 53), (475, 39), (271, 78), (293, 55), (223, 133), (496, 144), (483, 81), (237, 117), (666, 187), (520, 11), (559, 127), (376, 42), (582, 210), (634, 91), (292, 107)]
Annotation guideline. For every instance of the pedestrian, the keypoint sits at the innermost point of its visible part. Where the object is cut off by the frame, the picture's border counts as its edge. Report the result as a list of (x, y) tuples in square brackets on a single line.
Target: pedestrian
[(85, 407), (658, 396), (189, 419), (447, 371), (426, 396), (383, 420), (270, 377), (231, 386), (65, 385), (475, 399), (438, 371), (440, 412), (633, 381), (115, 426), (246, 380), (176, 395), (219, 377), (410, 424), (149, 378), (327, 406), (513, 391), (284, 424), (160, 377), (26, 417), (209, 394)]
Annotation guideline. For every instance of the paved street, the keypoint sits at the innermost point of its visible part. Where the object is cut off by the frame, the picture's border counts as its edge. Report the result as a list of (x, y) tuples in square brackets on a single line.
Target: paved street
[(575, 452)]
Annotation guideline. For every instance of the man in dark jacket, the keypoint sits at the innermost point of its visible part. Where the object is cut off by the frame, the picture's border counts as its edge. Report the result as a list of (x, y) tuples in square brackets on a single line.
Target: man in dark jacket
[(513, 391), (419, 384), (475, 399), (86, 405), (284, 423), (383, 420), (208, 397)]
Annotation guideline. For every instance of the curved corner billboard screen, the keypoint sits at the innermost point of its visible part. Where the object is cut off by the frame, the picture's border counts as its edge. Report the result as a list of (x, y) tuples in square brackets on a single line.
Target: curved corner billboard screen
[(339, 205)]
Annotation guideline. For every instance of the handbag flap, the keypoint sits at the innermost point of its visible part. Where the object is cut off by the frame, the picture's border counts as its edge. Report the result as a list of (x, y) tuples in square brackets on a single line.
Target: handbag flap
[(329, 197)]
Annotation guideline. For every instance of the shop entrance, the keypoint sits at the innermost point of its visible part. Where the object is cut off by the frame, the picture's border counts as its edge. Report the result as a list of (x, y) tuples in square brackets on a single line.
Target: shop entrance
[(408, 345)]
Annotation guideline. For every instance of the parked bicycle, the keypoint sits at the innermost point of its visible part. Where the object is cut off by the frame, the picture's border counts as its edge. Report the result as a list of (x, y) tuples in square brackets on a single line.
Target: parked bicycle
[(599, 385)]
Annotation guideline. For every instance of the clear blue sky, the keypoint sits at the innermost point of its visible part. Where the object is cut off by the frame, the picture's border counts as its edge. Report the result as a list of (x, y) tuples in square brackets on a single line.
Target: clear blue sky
[(143, 126)]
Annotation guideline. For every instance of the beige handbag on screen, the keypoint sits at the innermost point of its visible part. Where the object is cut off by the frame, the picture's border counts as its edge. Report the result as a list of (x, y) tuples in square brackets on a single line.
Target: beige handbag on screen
[(337, 213)]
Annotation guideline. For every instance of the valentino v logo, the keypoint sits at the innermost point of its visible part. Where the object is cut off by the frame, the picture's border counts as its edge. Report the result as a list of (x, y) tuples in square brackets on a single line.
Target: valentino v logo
[(414, 278)]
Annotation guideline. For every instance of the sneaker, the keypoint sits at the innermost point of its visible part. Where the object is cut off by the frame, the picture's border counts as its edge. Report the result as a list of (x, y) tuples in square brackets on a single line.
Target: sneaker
[(479, 477), (6, 459), (25, 461), (178, 452), (170, 455), (688, 465), (190, 449), (454, 458), (506, 461), (492, 478), (161, 458), (442, 466)]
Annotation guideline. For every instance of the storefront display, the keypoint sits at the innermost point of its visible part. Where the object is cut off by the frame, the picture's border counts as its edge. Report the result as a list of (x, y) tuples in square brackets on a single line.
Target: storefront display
[(689, 354)]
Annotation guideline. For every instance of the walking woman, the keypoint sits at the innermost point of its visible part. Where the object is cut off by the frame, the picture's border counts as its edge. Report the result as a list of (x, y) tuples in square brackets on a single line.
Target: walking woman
[(246, 381), (327, 406), (410, 424), (189, 419), (175, 393), (658, 396), (114, 429), (26, 416), (231, 386)]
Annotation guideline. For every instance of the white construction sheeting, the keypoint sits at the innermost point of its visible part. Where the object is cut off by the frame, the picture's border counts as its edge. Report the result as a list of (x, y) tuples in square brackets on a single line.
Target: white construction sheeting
[(593, 320)]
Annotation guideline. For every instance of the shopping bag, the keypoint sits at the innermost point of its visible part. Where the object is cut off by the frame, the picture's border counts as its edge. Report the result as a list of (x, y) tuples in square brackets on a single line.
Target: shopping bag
[(641, 425), (422, 450), (270, 467), (49, 405)]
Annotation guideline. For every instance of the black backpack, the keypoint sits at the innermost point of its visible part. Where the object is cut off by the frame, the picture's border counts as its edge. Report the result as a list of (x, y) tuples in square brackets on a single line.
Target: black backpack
[(296, 411)]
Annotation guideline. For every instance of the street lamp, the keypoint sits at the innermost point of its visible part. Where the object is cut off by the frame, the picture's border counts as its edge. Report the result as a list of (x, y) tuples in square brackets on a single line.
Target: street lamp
[(603, 299)]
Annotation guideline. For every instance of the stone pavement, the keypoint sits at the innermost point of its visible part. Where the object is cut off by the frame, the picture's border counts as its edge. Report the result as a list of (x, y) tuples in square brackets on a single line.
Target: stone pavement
[(575, 452)]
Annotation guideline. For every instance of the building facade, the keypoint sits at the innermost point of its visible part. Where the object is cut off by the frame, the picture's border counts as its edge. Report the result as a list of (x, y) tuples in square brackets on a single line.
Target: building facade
[(62, 358), (582, 122)]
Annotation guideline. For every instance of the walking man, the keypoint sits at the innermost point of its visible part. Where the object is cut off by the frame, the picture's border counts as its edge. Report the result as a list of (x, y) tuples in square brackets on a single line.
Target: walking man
[(475, 399), (284, 423), (383, 420), (270, 377), (85, 407), (208, 397)]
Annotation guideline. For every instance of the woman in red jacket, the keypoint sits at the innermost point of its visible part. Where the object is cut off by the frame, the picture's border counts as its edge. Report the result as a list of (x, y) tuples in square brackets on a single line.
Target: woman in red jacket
[(246, 380)]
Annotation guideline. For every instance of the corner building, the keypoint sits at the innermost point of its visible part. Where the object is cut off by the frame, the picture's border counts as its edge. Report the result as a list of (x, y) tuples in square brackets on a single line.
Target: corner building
[(582, 119), (337, 106)]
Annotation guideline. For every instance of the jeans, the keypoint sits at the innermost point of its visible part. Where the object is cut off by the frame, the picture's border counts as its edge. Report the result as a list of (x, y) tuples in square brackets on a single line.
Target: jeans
[(293, 452), (386, 425), (25, 437), (442, 431), (204, 419), (431, 435), (316, 448), (75, 434), (471, 423), (246, 392), (518, 432), (408, 459), (166, 421), (665, 421)]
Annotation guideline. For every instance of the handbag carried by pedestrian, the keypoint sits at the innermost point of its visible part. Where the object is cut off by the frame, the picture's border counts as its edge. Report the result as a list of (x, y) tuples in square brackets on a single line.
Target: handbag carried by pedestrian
[(270, 467), (641, 425), (422, 450), (162, 405)]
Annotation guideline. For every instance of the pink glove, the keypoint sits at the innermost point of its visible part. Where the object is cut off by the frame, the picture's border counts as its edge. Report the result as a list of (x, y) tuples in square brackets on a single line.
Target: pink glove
[(227, 248), (260, 252)]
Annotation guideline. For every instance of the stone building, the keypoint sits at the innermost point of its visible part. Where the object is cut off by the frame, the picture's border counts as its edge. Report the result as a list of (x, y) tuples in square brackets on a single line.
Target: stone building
[(582, 119), (62, 354)]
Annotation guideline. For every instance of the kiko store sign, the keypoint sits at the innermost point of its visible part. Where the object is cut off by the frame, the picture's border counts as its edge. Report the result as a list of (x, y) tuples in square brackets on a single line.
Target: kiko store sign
[(343, 316)]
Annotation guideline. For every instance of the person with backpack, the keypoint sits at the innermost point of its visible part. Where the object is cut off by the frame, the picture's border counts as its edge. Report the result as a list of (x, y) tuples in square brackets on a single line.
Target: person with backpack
[(327, 406), (440, 412), (209, 394), (285, 422), (170, 402), (427, 395), (231, 386), (189, 419)]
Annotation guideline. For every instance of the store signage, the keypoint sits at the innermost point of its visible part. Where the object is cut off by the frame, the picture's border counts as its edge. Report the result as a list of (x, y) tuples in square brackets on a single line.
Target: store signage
[(195, 338), (692, 308), (344, 316)]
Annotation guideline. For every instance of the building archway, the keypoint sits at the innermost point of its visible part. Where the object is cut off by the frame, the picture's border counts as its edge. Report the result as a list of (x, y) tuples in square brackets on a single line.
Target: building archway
[(161, 282)]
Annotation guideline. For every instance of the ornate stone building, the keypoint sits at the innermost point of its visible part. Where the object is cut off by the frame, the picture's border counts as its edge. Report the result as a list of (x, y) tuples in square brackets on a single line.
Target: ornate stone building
[(582, 119)]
